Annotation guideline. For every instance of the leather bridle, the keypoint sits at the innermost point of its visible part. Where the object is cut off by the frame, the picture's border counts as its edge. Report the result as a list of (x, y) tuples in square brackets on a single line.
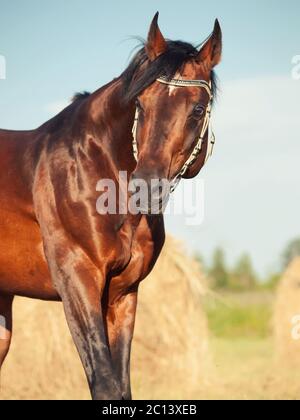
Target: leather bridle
[(205, 127)]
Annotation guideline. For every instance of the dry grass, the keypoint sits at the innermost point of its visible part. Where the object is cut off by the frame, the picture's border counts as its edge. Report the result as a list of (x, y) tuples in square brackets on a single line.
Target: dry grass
[(170, 347), (43, 362), (245, 370), (286, 308)]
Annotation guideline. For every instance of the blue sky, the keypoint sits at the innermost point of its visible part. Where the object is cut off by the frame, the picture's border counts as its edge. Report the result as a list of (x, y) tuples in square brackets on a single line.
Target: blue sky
[(54, 48)]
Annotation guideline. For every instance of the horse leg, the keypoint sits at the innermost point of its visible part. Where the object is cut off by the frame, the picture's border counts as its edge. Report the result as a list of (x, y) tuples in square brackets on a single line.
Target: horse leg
[(121, 301), (120, 319), (80, 285), (84, 316), (5, 326)]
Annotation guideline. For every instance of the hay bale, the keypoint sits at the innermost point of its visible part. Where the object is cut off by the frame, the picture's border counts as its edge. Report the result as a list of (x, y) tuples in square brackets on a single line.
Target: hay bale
[(171, 335), (287, 316), (43, 362), (169, 351)]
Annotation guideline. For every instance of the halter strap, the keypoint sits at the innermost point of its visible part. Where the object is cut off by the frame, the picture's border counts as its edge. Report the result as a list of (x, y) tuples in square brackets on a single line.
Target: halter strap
[(205, 127), (186, 83)]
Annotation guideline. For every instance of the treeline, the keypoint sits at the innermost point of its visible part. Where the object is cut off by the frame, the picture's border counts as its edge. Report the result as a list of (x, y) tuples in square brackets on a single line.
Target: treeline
[(242, 275)]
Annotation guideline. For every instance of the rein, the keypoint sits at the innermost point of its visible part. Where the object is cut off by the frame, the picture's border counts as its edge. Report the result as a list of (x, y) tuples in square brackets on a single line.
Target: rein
[(205, 127)]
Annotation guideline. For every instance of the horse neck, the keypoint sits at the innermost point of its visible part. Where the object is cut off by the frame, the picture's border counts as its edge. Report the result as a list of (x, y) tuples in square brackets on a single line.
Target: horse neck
[(113, 120)]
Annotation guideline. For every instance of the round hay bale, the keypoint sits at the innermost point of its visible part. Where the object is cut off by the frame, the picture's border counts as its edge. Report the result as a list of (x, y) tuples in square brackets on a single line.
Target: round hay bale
[(169, 349), (43, 362), (287, 316), (171, 334)]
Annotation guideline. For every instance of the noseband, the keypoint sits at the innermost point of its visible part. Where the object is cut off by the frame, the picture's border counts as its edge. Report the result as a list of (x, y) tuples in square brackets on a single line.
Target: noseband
[(205, 127)]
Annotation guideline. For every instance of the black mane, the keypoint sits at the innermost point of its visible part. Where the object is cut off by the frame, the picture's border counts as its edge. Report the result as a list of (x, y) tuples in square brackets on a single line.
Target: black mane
[(167, 64), (80, 95)]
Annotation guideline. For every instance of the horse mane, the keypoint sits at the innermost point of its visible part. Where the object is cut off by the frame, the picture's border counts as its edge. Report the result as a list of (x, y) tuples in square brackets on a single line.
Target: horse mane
[(80, 95), (167, 65), (57, 120)]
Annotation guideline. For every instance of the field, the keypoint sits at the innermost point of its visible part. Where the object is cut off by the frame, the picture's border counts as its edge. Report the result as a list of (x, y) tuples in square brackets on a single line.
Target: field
[(243, 363), (245, 359)]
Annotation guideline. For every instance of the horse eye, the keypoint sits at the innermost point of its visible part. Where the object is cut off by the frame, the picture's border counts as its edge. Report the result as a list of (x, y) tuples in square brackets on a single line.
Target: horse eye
[(198, 111)]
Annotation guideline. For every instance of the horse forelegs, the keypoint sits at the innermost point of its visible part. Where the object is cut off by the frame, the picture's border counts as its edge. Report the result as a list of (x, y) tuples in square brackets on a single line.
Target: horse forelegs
[(5, 326)]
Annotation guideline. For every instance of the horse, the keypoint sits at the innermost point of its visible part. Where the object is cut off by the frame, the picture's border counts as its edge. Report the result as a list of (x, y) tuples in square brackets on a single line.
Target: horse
[(55, 246)]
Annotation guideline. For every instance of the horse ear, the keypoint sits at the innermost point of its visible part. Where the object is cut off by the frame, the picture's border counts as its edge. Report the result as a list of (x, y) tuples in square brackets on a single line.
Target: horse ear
[(211, 52), (156, 43)]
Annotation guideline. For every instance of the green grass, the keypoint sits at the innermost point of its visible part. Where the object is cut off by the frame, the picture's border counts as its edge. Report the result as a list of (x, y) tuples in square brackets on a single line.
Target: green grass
[(235, 316), (244, 364)]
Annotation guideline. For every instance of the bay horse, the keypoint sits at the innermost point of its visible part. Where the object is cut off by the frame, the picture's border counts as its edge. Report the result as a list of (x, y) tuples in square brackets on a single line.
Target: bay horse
[(54, 244)]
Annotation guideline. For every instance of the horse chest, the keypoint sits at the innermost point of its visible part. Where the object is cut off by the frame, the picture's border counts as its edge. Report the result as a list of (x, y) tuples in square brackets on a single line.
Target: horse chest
[(143, 252), (146, 247)]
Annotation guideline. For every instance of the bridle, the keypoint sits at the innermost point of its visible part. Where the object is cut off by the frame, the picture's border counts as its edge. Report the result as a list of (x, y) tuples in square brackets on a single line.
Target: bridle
[(205, 127)]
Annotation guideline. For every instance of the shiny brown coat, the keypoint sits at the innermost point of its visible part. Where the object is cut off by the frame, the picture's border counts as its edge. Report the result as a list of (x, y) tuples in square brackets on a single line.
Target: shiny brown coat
[(55, 246)]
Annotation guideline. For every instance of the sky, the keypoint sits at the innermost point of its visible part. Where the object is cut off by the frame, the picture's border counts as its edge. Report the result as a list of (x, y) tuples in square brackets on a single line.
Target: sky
[(252, 197)]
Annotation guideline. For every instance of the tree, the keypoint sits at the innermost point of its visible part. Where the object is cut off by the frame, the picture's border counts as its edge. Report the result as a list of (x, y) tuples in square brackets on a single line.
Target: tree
[(272, 281), (243, 275), (292, 251), (200, 259), (218, 271)]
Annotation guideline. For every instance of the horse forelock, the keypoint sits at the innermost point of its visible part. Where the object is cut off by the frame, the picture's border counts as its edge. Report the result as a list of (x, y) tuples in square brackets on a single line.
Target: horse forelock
[(136, 79)]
